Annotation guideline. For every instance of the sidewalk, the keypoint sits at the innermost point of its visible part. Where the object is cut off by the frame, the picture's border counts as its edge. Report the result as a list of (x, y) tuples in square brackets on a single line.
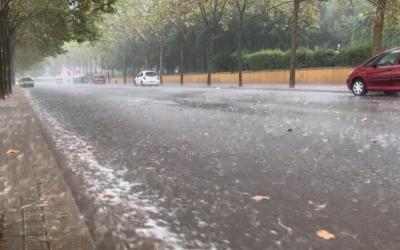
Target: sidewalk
[(38, 208)]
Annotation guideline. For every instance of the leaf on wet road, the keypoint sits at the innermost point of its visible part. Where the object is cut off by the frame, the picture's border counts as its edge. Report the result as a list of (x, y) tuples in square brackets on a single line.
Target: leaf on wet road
[(365, 119), (105, 195), (288, 130), (336, 112), (260, 198), (373, 140), (45, 238), (149, 169), (325, 235), (13, 151)]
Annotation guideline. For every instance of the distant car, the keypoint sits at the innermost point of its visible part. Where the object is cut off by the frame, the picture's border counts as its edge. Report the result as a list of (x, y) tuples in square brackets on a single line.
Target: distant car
[(380, 73), (147, 78), (80, 79), (59, 79), (98, 79), (26, 82)]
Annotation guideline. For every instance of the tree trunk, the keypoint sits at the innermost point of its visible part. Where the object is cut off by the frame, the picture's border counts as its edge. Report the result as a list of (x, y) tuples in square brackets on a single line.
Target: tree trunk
[(210, 58), (95, 66), (124, 67), (113, 73), (161, 58), (181, 66), (293, 48), (240, 59), (108, 73), (378, 27), (2, 78), (147, 61), (133, 68)]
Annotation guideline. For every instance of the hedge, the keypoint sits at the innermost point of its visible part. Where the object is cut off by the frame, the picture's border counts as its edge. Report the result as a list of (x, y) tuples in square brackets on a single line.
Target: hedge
[(351, 55)]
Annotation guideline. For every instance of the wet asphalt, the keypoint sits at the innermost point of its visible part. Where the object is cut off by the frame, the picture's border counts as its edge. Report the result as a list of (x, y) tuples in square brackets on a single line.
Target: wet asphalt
[(208, 168)]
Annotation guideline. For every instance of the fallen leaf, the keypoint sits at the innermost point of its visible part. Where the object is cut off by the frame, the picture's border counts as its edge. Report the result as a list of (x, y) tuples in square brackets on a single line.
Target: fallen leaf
[(325, 235), (12, 151), (336, 112), (288, 130), (260, 198), (38, 137), (320, 207), (149, 169), (373, 140), (44, 238), (365, 119), (105, 195), (325, 140)]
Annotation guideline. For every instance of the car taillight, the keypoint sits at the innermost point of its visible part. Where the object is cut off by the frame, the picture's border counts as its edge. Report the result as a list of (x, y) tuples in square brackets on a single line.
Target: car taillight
[(144, 78)]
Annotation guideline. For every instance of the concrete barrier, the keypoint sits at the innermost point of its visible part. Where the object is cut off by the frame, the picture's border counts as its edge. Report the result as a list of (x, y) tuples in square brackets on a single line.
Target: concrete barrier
[(312, 76)]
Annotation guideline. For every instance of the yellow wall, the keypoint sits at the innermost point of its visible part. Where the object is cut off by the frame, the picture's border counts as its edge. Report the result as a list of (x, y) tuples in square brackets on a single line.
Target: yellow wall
[(303, 76)]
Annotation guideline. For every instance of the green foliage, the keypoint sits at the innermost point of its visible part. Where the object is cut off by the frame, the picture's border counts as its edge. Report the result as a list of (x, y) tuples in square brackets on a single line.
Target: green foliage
[(351, 55), (245, 56), (269, 60), (354, 54), (223, 61)]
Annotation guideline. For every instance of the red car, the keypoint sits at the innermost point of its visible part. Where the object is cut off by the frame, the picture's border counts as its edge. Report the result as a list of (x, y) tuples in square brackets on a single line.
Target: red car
[(99, 79), (380, 73)]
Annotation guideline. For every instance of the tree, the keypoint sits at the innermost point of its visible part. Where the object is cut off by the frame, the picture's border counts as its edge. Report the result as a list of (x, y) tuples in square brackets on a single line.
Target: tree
[(308, 11), (184, 19), (254, 9), (214, 14), (38, 70), (42, 29)]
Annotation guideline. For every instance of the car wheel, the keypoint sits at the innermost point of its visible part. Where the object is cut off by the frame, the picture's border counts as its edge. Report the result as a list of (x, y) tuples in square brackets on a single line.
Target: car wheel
[(359, 88)]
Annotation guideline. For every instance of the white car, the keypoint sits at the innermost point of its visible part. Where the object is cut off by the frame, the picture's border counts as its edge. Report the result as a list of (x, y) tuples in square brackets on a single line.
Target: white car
[(26, 82), (147, 78)]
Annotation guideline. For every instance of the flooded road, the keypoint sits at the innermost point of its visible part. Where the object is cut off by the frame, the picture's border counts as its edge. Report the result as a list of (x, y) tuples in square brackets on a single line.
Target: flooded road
[(208, 168)]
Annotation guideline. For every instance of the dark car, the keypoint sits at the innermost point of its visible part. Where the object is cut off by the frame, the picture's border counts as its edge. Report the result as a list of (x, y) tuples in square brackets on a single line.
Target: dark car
[(80, 79), (98, 79), (380, 73)]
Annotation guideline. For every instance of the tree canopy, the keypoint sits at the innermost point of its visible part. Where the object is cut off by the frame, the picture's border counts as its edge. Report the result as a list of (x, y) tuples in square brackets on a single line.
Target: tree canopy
[(174, 36)]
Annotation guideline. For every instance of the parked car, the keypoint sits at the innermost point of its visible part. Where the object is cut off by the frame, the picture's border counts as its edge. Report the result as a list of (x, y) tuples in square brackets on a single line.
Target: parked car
[(80, 79), (26, 82), (147, 78), (98, 79), (380, 73), (59, 79)]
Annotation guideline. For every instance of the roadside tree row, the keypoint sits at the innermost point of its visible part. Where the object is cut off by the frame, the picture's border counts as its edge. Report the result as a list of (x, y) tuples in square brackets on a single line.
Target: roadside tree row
[(185, 36)]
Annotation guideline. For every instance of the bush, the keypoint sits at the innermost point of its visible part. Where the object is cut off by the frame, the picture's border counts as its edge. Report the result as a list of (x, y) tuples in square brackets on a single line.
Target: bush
[(354, 54), (323, 57), (351, 55), (223, 62), (245, 56), (304, 58), (268, 60)]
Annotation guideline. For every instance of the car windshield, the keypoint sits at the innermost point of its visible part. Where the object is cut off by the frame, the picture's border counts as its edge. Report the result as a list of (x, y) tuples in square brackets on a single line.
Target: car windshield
[(151, 74), (26, 79)]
